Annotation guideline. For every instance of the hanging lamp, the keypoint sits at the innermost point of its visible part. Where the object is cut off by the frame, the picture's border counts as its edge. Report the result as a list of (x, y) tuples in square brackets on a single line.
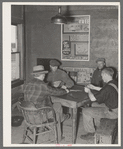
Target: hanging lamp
[(59, 19)]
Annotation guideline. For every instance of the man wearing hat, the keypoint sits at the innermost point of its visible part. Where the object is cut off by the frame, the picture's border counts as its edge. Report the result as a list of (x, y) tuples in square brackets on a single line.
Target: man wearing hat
[(58, 77), (96, 81), (38, 92)]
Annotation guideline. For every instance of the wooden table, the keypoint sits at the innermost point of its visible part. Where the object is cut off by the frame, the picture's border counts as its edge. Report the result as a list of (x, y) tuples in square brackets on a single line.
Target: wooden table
[(74, 99)]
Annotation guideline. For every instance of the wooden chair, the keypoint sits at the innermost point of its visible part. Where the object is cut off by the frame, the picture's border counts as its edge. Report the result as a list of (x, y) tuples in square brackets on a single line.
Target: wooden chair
[(15, 98), (73, 75), (38, 122)]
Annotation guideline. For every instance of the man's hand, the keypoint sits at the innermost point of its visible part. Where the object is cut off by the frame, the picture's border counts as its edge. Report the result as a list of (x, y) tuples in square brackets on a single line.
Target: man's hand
[(90, 94), (87, 90), (67, 90), (91, 86), (64, 87), (56, 83)]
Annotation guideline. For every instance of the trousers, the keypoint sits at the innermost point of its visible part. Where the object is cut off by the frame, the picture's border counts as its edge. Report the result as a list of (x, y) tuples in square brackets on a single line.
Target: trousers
[(59, 117), (92, 116)]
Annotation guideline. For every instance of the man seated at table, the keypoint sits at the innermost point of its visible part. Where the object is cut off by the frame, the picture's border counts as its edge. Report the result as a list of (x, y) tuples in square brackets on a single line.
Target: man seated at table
[(105, 104), (58, 77), (38, 92), (97, 81)]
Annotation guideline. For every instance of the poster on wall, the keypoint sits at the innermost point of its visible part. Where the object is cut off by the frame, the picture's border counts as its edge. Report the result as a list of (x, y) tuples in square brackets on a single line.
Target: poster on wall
[(75, 41)]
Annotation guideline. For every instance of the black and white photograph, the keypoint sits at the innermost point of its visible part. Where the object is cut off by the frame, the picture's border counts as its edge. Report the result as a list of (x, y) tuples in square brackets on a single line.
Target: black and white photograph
[(61, 74)]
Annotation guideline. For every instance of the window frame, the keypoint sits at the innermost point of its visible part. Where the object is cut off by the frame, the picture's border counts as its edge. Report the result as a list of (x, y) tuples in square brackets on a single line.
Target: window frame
[(21, 51)]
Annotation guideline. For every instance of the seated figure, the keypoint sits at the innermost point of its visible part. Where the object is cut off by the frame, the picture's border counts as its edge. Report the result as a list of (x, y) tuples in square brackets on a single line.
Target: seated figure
[(58, 77), (38, 92), (96, 81), (105, 104)]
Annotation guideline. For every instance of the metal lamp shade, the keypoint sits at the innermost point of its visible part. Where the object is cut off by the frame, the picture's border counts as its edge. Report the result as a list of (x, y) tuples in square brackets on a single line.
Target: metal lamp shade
[(59, 19)]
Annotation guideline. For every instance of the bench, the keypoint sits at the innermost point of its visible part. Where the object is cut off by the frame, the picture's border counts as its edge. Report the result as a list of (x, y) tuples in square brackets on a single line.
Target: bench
[(107, 131)]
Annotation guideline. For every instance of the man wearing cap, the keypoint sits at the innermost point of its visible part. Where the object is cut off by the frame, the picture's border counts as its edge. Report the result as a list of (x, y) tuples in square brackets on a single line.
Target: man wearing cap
[(58, 77), (96, 81), (38, 92), (105, 104)]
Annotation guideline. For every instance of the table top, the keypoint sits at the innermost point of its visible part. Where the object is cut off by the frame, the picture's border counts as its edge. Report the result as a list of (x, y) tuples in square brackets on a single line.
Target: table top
[(75, 98)]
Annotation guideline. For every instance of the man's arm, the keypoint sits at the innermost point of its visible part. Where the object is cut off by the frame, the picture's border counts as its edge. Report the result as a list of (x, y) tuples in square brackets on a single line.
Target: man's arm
[(90, 94), (101, 97), (67, 80), (48, 78), (94, 87), (49, 90)]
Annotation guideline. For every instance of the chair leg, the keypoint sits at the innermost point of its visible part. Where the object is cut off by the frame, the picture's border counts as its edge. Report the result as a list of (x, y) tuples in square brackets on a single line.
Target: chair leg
[(56, 134), (24, 134), (34, 135)]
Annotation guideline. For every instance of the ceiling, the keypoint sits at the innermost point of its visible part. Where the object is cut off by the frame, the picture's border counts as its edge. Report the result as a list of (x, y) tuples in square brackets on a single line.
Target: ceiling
[(30, 8)]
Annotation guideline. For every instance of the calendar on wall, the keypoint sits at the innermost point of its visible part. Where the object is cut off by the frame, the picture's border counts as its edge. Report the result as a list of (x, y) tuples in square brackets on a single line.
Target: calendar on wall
[(75, 41)]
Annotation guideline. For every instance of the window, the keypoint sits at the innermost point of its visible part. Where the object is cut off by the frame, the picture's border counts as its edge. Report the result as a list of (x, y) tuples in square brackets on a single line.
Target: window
[(17, 53)]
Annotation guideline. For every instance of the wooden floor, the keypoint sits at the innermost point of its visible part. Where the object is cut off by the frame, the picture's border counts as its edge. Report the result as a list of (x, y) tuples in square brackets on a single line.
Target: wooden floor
[(17, 133)]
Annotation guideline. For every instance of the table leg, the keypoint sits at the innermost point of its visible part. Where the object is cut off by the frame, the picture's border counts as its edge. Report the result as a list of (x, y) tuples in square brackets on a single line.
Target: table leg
[(71, 112), (74, 125), (59, 128)]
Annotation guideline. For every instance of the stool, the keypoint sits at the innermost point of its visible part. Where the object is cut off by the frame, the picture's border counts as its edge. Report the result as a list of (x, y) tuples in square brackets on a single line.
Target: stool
[(107, 131)]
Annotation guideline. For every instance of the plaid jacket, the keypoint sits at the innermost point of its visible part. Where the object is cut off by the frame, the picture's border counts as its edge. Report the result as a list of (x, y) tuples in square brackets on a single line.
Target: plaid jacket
[(39, 92)]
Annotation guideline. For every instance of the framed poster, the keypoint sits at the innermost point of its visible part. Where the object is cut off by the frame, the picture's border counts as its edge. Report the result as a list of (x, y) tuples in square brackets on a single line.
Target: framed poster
[(75, 41), (81, 49)]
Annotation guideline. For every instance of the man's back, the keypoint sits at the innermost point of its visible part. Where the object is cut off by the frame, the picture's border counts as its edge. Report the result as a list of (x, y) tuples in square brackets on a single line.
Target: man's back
[(38, 91)]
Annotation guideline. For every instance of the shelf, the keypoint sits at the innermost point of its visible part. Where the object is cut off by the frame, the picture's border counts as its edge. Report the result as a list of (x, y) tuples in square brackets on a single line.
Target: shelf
[(76, 33), (79, 41)]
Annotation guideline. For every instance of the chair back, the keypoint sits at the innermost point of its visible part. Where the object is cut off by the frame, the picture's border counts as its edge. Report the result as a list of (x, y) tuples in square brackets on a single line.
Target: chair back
[(34, 116), (73, 75)]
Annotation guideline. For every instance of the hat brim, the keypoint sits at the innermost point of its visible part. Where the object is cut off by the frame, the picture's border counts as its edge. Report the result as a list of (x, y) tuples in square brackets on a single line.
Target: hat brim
[(54, 65), (41, 72)]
